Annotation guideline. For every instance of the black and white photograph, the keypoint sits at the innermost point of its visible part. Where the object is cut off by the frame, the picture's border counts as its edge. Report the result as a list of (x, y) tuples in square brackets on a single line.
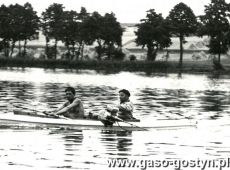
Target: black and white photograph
[(115, 84)]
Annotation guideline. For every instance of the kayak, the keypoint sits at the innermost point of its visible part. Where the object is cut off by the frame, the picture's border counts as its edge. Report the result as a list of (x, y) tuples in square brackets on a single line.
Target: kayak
[(28, 118)]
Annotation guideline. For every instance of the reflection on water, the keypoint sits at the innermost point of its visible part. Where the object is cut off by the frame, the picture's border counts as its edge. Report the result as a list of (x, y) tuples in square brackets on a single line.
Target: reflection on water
[(122, 142), (156, 96)]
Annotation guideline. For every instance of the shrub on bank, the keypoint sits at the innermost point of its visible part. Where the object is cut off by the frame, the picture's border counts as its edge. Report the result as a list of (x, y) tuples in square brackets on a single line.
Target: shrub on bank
[(90, 64), (110, 65)]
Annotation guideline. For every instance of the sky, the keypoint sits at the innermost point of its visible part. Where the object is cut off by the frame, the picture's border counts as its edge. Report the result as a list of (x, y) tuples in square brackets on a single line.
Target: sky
[(126, 11)]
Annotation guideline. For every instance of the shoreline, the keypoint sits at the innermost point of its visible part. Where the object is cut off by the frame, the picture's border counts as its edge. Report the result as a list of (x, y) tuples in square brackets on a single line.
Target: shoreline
[(195, 67)]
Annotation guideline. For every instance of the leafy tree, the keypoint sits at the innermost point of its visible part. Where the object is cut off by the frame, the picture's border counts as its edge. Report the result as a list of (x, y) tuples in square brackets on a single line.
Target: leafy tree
[(69, 31), (17, 23), (46, 31), (153, 33), (105, 31), (92, 27), (73, 34), (112, 34), (83, 14), (82, 37), (29, 26), (216, 25), (52, 20), (5, 34), (14, 27), (183, 23)]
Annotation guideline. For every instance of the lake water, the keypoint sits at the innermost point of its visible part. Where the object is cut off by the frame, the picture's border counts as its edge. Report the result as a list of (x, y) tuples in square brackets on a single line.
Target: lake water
[(204, 98)]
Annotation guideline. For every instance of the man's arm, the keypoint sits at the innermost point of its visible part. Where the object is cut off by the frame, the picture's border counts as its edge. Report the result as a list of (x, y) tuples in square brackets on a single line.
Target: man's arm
[(63, 110), (52, 112), (60, 108), (128, 106), (112, 109)]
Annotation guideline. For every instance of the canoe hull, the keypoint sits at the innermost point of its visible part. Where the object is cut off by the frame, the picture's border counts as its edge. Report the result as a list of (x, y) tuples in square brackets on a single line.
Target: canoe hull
[(24, 120)]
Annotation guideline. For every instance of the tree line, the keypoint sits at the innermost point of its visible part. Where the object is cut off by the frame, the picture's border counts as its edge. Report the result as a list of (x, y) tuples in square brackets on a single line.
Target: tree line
[(20, 24), (155, 32)]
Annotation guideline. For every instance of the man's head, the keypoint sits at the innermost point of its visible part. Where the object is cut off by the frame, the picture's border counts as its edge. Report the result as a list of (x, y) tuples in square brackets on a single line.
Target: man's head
[(124, 95), (70, 93)]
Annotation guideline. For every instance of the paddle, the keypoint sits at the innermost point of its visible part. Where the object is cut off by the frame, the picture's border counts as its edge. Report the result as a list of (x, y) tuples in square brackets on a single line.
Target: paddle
[(34, 104), (48, 114), (51, 115), (37, 113), (119, 119), (56, 116)]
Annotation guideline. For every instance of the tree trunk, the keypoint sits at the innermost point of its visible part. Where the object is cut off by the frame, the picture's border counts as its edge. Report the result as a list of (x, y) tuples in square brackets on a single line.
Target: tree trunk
[(73, 52), (6, 48), (24, 48), (55, 49), (12, 48), (99, 50), (151, 53), (47, 47), (68, 52), (219, 58), (181, 51), (82, 51), (110, 51), (19, 48)]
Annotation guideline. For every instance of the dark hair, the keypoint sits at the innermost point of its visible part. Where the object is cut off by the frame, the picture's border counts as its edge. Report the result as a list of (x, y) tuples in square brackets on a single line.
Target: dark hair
[(70, 89), (125, 91)]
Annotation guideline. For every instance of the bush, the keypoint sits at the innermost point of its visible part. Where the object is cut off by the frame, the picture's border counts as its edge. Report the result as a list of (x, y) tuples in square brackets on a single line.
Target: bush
[(50, 53), (217, 65), (117, 54), (132, 58), (1, 46)]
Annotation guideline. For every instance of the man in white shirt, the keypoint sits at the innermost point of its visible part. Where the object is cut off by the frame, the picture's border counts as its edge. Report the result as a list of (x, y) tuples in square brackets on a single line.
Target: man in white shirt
[(124, 109)]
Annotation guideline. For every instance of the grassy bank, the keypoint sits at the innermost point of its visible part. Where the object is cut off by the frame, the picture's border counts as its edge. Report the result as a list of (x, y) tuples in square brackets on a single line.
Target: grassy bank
[(157, 66)]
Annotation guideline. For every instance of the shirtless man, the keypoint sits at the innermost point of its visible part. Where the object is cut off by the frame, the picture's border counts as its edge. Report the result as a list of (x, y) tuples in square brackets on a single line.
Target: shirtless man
[(72, 108)]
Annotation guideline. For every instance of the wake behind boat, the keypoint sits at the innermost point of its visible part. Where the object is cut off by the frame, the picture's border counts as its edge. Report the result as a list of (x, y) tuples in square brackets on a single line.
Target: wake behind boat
[(38, 119)]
